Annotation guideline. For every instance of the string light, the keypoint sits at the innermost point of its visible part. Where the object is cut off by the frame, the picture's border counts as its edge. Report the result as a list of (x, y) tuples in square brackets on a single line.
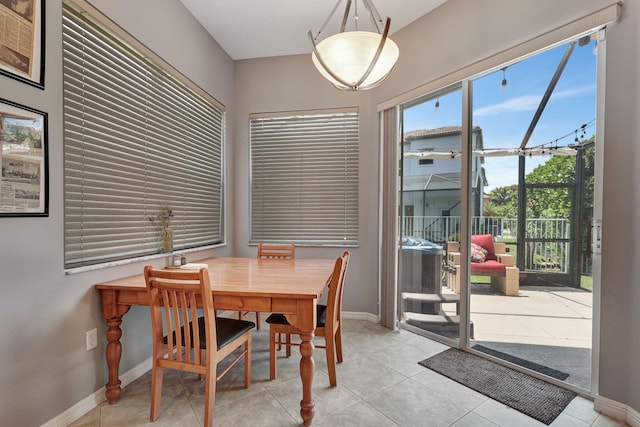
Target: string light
[(503, 85), (582, 129)]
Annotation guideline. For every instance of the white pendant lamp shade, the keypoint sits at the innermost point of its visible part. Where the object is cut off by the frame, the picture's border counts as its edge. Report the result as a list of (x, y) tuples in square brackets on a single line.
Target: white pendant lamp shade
[(348, 56), (355, 60)]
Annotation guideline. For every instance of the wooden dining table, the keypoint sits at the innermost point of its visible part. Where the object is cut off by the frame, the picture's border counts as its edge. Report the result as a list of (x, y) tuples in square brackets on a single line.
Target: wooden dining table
[(291, 287)]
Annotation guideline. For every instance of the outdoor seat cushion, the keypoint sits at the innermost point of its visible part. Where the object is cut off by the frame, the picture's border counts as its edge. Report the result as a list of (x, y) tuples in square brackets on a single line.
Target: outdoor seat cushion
[(478, 253), (226, 331), (486, 241), (321, 316), (481, 268)]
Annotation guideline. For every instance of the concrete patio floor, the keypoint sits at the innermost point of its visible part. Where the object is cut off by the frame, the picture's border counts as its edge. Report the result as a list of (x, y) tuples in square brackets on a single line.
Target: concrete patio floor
[(550, 326)]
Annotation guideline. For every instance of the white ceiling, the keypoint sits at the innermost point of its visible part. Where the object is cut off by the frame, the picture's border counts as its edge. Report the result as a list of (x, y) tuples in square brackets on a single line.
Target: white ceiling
[(261, 28)]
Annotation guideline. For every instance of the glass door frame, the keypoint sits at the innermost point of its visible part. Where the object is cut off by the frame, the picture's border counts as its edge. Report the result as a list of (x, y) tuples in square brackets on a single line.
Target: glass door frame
[(464, 319)]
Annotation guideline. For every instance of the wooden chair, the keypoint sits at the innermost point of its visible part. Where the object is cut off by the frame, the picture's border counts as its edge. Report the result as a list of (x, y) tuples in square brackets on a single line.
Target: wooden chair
[(276, 251), (180, 337), (328, 324), (272, 251)]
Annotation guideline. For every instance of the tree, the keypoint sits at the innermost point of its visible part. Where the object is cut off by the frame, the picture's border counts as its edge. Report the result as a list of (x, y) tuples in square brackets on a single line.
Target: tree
[(503, 202), (552, 202), (547, 202)]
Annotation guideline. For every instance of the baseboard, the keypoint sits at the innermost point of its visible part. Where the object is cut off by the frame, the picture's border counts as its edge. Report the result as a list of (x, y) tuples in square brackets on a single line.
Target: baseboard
[(617, 410), (358, 315), (78, 410), (96, 398)]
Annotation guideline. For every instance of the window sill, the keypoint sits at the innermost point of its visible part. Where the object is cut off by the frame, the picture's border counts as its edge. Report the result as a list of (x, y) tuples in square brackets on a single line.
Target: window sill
[(109, 264)]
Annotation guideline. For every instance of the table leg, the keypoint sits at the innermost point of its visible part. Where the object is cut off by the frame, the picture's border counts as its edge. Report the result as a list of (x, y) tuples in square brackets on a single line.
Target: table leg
[(114, 352), (307, 369), (113, 313)]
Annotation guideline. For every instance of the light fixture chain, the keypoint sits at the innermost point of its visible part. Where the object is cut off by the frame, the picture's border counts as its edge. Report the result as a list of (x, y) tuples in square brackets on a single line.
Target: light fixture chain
[(333, 11), (374, 16), (345, 17)]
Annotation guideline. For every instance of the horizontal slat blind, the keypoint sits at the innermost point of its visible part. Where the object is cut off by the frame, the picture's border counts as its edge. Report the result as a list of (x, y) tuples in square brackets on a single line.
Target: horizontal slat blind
[(136, 139), (304, 178)]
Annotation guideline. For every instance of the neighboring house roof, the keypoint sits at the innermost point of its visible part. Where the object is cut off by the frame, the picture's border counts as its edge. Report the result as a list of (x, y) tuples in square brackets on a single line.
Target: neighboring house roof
[(436, 132)]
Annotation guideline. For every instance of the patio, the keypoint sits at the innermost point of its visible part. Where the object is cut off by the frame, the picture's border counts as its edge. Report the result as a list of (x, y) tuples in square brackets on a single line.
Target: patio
[(548, 325)]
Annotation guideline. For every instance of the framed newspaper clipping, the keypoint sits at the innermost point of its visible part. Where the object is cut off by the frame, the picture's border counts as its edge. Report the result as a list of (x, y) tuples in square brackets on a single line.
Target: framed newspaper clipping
[(24, 181), (22, 40)]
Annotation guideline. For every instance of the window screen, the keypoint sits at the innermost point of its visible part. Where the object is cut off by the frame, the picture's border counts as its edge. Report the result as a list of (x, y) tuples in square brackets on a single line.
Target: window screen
[(304, 177), (138, 138)]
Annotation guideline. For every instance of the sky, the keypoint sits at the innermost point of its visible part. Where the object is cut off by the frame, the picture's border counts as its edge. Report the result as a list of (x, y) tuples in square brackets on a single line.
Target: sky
[(505, 115)]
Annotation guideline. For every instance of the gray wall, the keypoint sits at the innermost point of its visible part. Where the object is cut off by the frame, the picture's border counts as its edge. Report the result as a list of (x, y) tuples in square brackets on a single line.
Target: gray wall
[(44, 368)]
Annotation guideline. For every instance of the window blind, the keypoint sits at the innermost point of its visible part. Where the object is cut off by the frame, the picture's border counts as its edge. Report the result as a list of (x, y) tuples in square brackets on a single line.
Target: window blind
[(137, 139), (304, 177)]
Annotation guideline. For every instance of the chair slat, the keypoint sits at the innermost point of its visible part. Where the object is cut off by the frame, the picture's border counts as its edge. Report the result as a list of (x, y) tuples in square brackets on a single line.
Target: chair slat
[(175, 312), (168, 321), (196, 329)]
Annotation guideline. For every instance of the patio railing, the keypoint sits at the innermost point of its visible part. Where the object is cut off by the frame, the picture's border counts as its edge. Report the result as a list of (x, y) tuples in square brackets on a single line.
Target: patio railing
[(539, 256)]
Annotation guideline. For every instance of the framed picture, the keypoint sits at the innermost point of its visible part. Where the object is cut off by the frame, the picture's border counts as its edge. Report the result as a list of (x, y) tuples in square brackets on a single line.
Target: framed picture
[(24, 181), (22, 40)]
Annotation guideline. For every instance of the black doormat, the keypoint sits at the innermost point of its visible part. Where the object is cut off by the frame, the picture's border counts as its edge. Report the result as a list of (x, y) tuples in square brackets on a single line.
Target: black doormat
[(531, 396), (554, 373)]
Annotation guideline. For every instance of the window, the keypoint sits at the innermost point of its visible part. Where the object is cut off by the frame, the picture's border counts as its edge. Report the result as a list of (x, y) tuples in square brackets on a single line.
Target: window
[(138, 137), (425, 161), (304, 177)]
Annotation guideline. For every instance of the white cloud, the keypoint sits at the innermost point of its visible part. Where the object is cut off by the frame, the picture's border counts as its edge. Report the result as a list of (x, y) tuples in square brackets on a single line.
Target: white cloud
[(528, 102), (522, 103)]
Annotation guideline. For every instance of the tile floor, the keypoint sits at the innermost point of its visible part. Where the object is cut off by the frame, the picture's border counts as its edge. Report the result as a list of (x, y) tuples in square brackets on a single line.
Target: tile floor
[(379, 384)]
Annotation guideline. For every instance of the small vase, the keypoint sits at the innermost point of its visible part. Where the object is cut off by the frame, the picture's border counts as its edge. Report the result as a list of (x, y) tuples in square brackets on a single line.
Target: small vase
[(167, 239)]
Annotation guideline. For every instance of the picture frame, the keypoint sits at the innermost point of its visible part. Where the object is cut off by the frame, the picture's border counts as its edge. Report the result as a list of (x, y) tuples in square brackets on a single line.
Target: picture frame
[(24, 178), (22, 41)]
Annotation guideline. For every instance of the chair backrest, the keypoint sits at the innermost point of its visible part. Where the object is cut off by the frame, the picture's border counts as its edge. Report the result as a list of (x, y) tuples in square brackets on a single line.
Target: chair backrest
[(336, 286), (276, 251), (486, 241), (173, 301), (345, 256)]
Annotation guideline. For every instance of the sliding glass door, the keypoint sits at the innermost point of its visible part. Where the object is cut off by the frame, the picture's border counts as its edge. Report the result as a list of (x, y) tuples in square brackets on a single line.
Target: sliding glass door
[(430, 203), (520, 253), (531, 284)]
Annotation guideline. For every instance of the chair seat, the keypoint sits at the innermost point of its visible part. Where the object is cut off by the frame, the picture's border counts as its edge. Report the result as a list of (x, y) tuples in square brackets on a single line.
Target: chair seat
[(226, 331), (487, 267), (280, 319)]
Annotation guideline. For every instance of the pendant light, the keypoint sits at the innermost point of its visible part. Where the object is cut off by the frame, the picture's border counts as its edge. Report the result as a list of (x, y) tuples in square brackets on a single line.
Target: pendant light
[(355, 60)]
